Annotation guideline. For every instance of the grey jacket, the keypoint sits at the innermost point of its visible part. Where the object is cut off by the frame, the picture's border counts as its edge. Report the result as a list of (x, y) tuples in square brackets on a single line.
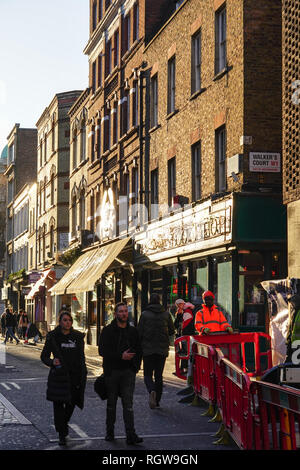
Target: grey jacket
[(155, 327)]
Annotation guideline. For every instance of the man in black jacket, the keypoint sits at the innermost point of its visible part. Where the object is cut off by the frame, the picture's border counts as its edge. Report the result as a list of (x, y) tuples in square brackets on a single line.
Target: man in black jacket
[(155, 328), (120, 348)]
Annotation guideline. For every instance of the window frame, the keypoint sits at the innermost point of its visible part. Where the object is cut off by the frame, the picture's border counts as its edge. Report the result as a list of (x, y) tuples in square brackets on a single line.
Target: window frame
[(196, 171), (196, 62), (220, 148), (171, 105), (220, 39)]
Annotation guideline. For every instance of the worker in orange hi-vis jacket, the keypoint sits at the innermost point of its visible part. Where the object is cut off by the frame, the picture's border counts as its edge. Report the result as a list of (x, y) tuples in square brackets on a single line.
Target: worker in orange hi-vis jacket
[(209, 319)]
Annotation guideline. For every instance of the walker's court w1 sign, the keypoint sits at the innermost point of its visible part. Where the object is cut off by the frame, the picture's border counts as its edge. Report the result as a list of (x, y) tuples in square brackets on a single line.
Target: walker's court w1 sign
[(264, 162)]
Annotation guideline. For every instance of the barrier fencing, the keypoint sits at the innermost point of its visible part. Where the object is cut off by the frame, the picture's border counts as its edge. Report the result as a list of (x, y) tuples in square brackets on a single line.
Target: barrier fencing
[(257, 415)]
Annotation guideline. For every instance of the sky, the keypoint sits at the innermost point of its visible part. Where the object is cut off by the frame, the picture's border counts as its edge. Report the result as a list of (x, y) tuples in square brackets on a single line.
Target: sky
[(41, 54)]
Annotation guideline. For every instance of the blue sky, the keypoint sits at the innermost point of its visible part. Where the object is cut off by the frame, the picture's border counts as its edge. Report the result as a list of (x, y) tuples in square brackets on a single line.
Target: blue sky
[(41, 53)]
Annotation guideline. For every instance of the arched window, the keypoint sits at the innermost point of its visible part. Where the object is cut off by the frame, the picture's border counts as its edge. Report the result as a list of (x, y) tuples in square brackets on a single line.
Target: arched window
[(73, 212), (52, 185), (74, 148), (51, 237), (82, 209), (83, 140)]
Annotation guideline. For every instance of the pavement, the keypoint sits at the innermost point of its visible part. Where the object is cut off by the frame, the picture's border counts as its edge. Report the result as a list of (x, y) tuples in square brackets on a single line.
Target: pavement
[(10, 415)]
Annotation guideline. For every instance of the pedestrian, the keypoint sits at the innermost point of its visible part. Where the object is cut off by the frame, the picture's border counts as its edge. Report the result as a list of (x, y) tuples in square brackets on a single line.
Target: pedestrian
[(33, 332), (3, 328), (67, 375), (155, 328), (178, 317), (10, 323), (23, 323), (120, 348), (209, 319)]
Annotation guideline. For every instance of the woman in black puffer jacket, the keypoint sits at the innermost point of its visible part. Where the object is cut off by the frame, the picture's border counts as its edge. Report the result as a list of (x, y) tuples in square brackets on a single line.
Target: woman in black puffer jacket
[(67, 376)]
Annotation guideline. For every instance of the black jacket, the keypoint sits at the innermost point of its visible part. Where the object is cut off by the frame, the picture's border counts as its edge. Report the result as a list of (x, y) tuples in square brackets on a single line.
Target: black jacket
[(72, 376), (155, 328), (113, 342), (10, 320)]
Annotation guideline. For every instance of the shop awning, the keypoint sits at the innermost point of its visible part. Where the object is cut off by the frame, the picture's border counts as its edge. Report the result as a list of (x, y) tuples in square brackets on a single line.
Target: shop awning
[(98, 264), (41, 282), (88, 268), (74, 271)]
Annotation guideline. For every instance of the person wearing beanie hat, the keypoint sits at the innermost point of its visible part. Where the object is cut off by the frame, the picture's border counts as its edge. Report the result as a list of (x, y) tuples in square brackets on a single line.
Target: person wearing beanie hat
[(209, 319), (179, 317)]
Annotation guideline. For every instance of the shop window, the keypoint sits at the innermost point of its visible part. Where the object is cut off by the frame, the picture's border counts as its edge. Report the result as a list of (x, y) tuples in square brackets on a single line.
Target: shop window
[(92, 306), (199, 280), (222, 284), (156, 281), (176, 280), (251, 294), (127, 291), (109, 298), (78, 310)]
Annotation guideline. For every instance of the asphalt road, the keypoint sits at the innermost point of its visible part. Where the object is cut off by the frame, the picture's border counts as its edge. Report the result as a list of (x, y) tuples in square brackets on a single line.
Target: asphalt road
[(26, 417)]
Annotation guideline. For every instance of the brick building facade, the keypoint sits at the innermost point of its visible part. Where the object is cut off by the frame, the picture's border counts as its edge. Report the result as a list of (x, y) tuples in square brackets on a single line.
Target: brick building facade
[(291, 124), (183, 117), (213, 130), (53, 170)]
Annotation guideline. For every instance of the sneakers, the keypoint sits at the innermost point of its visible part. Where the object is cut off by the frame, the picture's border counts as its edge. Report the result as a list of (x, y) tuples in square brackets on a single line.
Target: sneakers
[(133, 439), (152, 399)]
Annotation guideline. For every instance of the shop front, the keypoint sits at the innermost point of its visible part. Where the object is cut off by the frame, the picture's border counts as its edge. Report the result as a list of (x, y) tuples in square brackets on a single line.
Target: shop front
[(94, 283), (228, 246)]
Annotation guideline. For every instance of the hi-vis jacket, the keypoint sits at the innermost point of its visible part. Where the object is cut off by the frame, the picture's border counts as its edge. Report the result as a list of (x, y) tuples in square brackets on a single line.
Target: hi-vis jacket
[(211, 318)]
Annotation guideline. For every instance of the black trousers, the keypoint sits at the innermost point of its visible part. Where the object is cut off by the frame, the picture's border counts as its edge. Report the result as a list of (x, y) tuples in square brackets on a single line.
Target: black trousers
[(154, 364), (120, 383), (62, 415)]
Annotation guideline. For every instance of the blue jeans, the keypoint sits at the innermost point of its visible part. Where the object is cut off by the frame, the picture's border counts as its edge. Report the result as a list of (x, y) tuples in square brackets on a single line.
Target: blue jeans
[(10, 333)]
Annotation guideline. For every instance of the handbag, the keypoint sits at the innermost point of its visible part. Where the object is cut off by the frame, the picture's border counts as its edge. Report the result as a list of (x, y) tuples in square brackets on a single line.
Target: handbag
[(100, 387)]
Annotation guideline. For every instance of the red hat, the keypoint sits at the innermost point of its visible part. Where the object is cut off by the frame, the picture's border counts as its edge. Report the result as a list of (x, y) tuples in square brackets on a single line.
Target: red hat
[(208, 293)]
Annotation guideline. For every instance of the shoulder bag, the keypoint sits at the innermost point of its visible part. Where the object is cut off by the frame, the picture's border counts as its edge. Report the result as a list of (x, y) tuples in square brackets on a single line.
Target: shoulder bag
[(100, 387)]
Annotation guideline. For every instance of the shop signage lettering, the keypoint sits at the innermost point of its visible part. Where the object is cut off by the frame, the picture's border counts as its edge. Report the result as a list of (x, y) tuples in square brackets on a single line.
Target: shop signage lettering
[(186, 232), (264, 162)]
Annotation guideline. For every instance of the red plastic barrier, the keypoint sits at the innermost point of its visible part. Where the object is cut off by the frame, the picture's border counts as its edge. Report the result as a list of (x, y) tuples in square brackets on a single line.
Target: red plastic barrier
[(232, 346), (234, 403), (204, 372), (276, 416)]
